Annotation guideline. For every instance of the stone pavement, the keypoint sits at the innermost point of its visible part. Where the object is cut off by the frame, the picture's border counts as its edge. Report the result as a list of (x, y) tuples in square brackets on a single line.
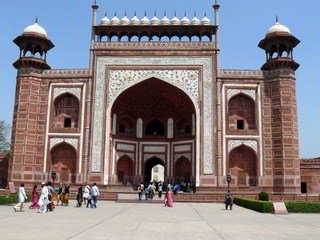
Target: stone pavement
[(153, 221)]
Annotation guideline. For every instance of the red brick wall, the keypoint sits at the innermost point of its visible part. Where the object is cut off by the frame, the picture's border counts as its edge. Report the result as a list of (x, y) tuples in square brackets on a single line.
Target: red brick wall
[(4, 164), (28, 131), (310, 173)]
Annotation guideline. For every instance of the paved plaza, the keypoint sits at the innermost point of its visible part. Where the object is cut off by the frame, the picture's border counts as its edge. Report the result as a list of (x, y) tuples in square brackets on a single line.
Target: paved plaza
[(153, 221)]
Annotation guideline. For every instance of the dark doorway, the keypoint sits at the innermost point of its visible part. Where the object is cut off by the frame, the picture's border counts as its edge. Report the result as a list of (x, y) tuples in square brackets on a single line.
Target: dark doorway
[(304, 188), (149, 164), (155, 128)]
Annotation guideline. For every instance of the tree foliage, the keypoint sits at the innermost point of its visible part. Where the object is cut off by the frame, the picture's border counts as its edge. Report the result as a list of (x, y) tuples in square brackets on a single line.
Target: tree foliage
[(4, 136)]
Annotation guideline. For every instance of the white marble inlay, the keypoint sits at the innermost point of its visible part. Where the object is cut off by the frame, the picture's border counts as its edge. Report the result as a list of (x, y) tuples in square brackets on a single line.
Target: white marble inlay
[(157, 149), (186, 80), (232, 144), (182, 148), (125, 147), (72, 141), (76, 91), (233, 92)]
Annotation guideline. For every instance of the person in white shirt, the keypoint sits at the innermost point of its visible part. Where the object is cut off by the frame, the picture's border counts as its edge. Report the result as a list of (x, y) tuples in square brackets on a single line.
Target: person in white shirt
[(94, 193), (22, 198), (44, 200)]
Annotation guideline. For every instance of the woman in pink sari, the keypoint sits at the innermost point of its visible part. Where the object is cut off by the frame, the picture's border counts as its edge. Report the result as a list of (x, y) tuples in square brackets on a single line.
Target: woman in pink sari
[(35, 198), (168, 201)]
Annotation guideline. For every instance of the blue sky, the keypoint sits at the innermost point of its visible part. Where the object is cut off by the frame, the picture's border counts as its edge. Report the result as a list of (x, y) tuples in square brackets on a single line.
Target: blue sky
[(243, 24)]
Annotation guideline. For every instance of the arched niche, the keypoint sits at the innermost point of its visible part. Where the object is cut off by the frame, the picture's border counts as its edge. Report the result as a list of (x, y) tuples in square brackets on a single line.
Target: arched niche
[(241, 113)]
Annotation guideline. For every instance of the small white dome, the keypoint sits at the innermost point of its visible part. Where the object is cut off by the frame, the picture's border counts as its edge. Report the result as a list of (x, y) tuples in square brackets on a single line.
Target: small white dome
[(105, 21), (35, 29), (125, 20), (145, 21), (277, 27), (135, 20), (175, 21), (165, 21), (155, 21), (185, 21), (205, 21), (115, 21), (195, 21)]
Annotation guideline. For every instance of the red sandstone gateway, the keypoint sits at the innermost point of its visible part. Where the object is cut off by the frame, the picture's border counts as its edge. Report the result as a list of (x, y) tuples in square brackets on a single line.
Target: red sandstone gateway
[(155, 99)]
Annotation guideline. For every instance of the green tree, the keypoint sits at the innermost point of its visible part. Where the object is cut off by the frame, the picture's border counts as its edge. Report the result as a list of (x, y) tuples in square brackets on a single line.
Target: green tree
[(4, 136)]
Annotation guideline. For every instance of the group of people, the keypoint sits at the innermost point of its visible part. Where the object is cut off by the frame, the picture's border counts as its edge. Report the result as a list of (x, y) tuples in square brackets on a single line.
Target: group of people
[(149, 191), (44, 200)]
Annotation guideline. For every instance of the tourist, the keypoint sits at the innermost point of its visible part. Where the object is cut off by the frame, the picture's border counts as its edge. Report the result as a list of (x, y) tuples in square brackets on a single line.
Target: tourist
[(160, 189), (22, 197), (140, 191), (51, 194), (66, 195), (94, 194), (146, 193), (43, 200), (228, 200), (60, 197), (86, 195), (35, 198), (79, 197), (168, 201)]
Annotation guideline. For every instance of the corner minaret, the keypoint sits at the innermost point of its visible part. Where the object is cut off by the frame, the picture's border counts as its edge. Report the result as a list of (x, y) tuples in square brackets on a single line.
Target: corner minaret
[(34, 45), (30, 106), (278, 45), (281, 108)]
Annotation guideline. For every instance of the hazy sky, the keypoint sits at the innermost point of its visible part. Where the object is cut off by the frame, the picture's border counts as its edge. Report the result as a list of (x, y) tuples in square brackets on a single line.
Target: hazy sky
[(243, 25)]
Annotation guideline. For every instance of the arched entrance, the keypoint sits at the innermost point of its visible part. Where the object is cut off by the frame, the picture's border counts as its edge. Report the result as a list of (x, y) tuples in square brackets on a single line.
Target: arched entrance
[(243, 164), (162, 115), (182, 170), (125, 169), (148, 167), (64, 162)]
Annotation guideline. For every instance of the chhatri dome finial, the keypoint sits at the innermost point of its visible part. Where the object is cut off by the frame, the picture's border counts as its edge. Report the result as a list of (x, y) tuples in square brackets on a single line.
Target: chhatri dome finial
[(36, 20), (277, 18)]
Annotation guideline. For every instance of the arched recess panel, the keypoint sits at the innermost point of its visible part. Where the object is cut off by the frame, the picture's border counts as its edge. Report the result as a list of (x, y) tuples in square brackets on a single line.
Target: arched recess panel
[(64, 162), (243, 164), (182, 170), (241, 113), (124, 168), (66, 112)]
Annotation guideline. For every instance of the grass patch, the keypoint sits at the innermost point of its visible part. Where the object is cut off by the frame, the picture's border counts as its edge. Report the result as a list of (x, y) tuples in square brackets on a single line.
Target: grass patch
[(303, 207), (12, 198), (256, 205)]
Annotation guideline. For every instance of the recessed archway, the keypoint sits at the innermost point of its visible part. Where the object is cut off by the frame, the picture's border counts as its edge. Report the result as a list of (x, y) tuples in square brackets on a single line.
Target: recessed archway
[(64, 162), (182, 170), (124, 169), (149, 165), (243, 164)]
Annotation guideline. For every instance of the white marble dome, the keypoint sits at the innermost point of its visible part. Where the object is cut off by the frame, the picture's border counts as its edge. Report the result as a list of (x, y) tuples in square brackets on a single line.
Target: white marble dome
[(175, 21), (145, 21), (135, 20), (125, 20), (195, 21), (105, 21), (185, 21), (155, 21), (115, 20), (205, 21), (35, 29), (165, 21), (278, 28)]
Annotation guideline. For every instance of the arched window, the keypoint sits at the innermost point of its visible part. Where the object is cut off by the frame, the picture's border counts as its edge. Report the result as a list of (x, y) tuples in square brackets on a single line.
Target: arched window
[(124, 169), (126, 126), (241, 113), (155, 128), (66, 112), (182, 170), (183, 127)]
